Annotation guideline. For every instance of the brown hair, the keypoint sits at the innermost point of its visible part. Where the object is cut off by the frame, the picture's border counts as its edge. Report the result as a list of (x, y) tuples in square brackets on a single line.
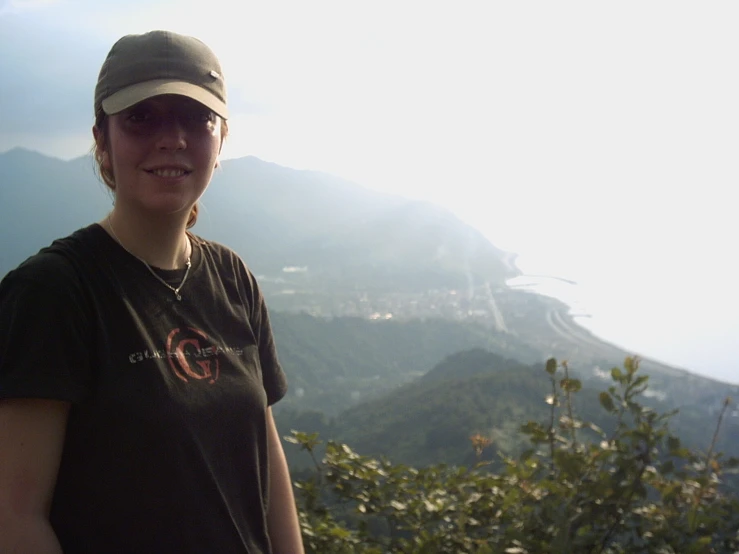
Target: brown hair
[(106, 174)]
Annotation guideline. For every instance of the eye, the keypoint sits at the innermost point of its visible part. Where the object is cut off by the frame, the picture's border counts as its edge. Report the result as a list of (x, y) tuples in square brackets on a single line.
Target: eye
[(203, 116), (139, 116)]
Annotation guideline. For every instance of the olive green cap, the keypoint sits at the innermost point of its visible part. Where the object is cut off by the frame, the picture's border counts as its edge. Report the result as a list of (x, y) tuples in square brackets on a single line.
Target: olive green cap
[(159, 62)]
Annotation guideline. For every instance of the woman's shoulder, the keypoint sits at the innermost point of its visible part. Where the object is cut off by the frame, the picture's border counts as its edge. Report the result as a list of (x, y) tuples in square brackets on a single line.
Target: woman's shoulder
[(59, 263), (227, 264), (210, 245), (219, 253)]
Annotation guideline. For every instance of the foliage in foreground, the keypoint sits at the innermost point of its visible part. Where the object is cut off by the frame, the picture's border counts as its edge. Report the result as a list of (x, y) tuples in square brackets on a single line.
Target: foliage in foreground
[(577, 489)]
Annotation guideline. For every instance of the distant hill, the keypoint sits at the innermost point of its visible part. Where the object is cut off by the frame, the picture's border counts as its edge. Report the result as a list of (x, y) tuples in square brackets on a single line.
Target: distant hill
[(433, 417), (471, 363), (333, 364), (43, 198), (430, 419), (344, 235)]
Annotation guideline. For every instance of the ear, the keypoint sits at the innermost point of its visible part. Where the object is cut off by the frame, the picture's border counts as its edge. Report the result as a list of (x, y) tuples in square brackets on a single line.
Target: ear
[(100, 147), (97, 134)]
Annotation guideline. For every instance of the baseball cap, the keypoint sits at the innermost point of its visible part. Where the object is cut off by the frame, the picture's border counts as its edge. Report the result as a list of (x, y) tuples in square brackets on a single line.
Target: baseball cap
[(159, 62)]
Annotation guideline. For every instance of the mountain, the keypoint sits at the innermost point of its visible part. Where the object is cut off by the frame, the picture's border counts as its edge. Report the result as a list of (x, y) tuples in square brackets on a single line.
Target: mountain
[(43, 198), (431, 418), (341, 235), (336, 363), (368, 291)]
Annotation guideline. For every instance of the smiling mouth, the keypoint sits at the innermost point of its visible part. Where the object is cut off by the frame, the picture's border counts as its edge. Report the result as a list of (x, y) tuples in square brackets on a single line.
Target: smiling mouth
[(169, 173)]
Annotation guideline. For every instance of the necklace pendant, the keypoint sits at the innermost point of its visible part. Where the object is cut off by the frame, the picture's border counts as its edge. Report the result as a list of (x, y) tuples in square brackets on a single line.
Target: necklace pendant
[(188, 263)]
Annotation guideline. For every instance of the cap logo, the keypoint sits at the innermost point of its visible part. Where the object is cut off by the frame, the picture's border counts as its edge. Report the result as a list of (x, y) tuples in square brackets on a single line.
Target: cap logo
[(214, 74)]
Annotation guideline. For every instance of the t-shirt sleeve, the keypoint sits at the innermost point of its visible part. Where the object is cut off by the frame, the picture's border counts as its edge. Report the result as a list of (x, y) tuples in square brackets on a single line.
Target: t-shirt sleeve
[(44, 334), (274, 379)]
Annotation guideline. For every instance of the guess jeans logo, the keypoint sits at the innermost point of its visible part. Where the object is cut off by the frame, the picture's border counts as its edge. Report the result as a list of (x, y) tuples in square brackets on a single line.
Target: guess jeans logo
[(192, 355)]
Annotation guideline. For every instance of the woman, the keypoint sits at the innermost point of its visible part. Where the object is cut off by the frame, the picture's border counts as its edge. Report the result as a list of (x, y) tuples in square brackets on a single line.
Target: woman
[(137, 364)]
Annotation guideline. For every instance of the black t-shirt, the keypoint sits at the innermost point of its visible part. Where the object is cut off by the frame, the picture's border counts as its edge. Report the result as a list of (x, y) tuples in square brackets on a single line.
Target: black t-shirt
[(165, 448)]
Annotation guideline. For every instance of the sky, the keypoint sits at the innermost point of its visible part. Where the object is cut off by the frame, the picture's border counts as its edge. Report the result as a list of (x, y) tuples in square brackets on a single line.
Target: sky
[(597, 140)]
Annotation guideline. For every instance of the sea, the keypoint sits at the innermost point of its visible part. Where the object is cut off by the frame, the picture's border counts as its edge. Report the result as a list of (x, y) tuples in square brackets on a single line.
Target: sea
[(690, 327)]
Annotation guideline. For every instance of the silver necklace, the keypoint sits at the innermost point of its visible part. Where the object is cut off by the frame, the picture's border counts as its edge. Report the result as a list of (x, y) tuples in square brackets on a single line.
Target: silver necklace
[(176, 290)]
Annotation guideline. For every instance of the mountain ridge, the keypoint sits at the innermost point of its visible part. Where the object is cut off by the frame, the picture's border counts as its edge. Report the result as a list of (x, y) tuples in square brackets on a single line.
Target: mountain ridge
[(285, 217), (325, 246)]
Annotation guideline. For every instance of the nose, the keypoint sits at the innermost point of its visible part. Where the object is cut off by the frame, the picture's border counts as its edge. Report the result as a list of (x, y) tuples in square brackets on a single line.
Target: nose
[(172, 134)]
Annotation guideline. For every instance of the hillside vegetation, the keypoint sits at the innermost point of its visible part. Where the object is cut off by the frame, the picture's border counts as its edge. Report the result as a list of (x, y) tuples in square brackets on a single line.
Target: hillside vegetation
[(576, 489), (429, 419)]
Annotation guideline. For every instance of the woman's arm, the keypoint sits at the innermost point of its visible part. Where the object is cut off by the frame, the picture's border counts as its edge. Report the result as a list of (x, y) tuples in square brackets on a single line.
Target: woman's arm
[(31, 441), (282, 517)]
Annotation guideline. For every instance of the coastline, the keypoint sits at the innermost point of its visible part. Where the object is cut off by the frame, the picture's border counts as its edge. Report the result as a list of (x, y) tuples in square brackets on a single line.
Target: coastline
[(596, 325)]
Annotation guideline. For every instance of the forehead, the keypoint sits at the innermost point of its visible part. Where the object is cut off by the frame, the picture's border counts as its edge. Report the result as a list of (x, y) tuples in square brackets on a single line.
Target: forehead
[(166, 102)]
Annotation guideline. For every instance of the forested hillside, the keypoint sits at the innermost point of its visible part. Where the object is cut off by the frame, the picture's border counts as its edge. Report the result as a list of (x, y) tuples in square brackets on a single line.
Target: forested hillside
[(577, 487), (431, 418)]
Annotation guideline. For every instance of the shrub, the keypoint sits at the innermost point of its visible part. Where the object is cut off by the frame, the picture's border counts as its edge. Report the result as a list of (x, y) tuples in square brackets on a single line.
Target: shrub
[(577, 489)]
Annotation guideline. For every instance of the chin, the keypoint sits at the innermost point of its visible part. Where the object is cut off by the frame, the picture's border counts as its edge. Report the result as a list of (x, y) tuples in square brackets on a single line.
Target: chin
[(169, 206)]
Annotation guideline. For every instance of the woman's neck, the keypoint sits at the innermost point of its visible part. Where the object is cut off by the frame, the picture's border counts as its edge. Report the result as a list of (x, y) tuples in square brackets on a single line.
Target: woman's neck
[(163, 244)]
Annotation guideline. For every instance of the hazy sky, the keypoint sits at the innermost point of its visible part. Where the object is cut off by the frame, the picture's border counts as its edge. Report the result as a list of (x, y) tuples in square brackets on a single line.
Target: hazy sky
[(598, 140)]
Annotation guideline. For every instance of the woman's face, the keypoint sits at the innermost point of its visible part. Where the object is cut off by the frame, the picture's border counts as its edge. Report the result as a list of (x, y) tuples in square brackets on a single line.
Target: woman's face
[(162, 153)]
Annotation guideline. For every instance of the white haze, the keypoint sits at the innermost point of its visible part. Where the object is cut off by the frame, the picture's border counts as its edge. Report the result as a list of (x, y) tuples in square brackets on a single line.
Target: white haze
[(597, 140)]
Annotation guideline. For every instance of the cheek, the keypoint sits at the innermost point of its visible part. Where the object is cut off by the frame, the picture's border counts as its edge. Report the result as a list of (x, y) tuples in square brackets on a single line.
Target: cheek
[(122, 154), (209, 149)]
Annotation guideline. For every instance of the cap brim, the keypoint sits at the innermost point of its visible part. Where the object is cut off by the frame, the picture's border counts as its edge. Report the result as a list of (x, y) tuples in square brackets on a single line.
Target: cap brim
[(134, 94)]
